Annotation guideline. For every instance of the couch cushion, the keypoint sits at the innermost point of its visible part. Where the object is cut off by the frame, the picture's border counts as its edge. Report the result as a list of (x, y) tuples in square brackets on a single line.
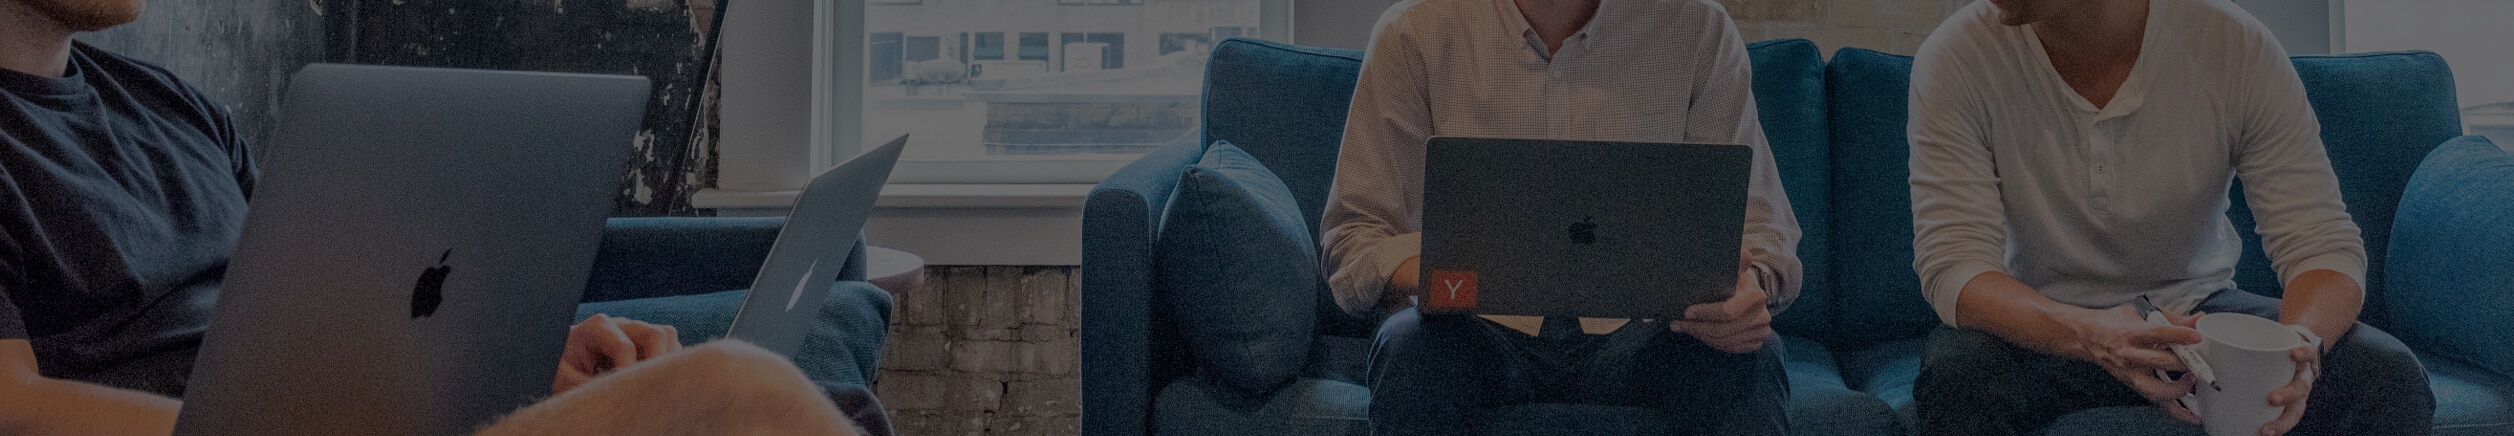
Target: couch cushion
[(2469, 400), (1789, 97), (2380, 114), (843, 347), (1865, 92), (1241, 270), (1887, 370), (1196, 405), (1820, 403), (1286, 104), (2452, 292)]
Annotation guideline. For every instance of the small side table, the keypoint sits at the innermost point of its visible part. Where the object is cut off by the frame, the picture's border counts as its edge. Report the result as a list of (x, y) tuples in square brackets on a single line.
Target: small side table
[(893, 270)]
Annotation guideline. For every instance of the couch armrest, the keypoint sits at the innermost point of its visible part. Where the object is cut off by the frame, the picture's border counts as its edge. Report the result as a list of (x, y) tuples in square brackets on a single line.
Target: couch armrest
[(1128, 349), (2450, 292), (656, 257)]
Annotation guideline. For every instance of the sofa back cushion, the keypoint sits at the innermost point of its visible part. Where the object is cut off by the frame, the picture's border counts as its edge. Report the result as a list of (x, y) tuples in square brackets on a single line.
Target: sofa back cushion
[(2452, 293), (2381, 113), (1237, 261), (1866, 93), (1789, 97), (1285, 104)]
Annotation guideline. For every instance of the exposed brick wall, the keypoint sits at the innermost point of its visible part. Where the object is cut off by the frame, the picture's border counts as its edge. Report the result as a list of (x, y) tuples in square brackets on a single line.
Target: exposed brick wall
[(985, 350)]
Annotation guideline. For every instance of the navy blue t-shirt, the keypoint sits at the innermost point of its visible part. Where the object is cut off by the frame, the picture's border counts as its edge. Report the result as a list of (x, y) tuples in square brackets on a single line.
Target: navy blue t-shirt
[(122, 192)]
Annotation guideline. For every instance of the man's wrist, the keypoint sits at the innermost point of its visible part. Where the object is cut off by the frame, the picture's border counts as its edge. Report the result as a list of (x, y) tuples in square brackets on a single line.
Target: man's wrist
[(1765, 281)]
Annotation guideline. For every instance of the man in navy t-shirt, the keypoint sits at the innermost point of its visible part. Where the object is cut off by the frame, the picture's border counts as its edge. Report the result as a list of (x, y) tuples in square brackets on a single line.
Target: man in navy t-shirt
[(122, 193)]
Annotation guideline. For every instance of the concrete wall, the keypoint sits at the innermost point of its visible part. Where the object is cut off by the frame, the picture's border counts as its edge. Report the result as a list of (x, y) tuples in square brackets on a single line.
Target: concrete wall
[(658, 39), (239, 52)]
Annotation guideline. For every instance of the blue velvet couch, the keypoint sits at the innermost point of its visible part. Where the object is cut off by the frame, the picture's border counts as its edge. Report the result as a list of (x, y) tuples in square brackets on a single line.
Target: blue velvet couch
[(1853, 341)]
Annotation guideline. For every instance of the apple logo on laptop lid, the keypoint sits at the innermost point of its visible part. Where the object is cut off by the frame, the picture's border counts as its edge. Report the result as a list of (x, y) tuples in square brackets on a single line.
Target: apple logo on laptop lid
[(430, 292), (1585, 231)]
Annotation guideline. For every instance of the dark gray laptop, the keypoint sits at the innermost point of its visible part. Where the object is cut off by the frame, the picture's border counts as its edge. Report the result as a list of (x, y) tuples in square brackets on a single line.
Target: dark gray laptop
[(1580, 228), (786, 296), (415, 251)]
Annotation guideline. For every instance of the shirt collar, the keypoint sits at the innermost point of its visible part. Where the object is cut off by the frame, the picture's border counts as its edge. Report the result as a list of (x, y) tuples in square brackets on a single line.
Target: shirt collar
[(1517, 24)]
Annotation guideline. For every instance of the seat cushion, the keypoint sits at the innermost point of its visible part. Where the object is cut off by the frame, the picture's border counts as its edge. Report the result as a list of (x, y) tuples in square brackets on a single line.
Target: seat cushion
[(1872, 199), (1190, 406), (1241, 270), (843, 347), (1887, 370), (2469, 400), (2452, 293), (1339, 358), (1789, 99), (1821, 404)]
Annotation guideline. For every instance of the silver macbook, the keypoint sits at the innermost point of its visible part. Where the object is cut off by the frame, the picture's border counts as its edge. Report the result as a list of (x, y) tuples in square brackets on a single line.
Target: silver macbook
[(785, 298), (1580, 228), (414, 252)]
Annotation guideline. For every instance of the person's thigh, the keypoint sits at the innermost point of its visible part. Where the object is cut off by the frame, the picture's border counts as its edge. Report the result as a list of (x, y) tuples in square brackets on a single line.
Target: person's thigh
[(1437, 374), (719, 388), (1974, 383), (2370, 382), (1702, 389)]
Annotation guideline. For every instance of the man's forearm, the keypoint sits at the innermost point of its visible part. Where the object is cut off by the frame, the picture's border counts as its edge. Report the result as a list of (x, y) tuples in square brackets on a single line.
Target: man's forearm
[(2324, 301), (47, 406), (1996, 303)]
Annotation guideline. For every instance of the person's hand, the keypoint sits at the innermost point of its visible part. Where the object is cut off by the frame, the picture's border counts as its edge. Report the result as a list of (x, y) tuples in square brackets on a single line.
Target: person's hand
[(2135, 351), (1737, 325), (2292, 396), (1404, 283), (603, 344)]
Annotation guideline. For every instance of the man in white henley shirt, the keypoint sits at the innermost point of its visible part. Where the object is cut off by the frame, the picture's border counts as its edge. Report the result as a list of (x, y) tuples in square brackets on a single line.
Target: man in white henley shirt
[(2071, 156)]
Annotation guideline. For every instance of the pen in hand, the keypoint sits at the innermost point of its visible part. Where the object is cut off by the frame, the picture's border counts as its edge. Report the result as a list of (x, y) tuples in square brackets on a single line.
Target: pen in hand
[(2190, 358)]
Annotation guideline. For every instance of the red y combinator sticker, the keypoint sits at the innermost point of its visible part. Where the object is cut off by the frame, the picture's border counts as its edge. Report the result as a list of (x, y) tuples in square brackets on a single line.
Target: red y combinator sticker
[(1450, 291)]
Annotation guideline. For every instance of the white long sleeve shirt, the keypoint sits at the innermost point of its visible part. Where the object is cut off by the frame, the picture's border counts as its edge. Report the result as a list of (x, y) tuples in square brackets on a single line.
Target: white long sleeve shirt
[(1642, 71), (2013, 171)]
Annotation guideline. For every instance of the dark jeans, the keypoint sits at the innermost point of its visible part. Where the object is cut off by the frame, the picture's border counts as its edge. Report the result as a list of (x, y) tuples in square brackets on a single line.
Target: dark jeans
[(1973, 383), (1444, 374)]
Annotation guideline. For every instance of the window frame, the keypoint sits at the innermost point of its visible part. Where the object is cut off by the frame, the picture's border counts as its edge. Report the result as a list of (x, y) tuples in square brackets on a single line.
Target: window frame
[(840, 108)]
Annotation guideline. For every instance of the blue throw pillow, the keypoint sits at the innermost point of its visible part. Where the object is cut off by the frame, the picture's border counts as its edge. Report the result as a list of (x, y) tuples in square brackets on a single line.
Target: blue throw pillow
[(2451, 293), (1241, 271)]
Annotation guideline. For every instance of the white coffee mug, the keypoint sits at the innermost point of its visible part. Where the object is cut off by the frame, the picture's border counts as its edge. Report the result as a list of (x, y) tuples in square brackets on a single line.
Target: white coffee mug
[(2249, 356)]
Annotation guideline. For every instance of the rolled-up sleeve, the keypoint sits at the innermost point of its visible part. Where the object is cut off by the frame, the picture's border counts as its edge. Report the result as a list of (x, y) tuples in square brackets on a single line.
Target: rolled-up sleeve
[(1723, 112), (1374, 208), (1959, 227)]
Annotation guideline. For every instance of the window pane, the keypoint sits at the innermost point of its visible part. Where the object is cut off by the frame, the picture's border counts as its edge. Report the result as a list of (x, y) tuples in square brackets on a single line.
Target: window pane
[(1068, 79), (883, 59), (991, 46)]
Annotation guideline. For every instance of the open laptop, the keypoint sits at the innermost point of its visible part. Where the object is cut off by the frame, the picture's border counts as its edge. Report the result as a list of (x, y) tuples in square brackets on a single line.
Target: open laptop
[(415, 250), (786, 296), (1580, 228)]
